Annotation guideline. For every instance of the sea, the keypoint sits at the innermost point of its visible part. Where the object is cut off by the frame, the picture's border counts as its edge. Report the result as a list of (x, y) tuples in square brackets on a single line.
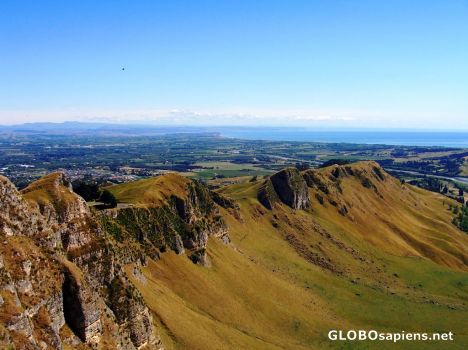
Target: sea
[(453, 139)]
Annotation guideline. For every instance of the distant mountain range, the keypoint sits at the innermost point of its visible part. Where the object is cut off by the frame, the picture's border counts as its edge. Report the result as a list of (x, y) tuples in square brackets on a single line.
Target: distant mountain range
[(107, 129)]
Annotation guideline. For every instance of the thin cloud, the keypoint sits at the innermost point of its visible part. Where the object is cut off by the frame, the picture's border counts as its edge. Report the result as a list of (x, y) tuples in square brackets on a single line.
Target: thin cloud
[(176, 116)]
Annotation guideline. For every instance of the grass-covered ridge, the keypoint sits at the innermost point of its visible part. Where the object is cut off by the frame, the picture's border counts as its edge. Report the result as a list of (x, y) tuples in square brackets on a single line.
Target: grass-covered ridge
[(370, 252), (169, 212), (50, 189), (391, 261), (153, 191)]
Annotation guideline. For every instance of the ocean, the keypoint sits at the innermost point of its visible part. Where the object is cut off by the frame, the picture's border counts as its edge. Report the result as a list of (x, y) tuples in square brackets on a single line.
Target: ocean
[(405, 138)]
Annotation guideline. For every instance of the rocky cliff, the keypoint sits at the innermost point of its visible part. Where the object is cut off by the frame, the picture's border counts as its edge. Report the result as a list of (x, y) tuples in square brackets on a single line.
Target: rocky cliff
[(61, 264), (328, 183), (180, 221), (339, 238), (287, 186), (59, 272)]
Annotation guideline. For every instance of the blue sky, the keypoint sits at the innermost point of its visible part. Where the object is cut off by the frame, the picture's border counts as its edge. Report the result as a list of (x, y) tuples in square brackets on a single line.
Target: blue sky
[(341, 63)]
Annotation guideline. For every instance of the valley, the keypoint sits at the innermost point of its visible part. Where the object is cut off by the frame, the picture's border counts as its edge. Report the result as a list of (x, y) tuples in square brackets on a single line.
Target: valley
[(121, 153)]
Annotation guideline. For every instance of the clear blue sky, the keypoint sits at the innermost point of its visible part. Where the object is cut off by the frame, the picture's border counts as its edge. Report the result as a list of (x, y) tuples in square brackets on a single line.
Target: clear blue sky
[(316, 63)]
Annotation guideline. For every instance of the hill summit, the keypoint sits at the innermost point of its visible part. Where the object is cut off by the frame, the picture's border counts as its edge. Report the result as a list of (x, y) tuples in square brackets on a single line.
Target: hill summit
[(287, 186), (268, 264)]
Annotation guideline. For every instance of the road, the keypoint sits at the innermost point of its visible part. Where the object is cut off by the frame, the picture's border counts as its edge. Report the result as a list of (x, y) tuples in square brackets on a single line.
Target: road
[(463, 180)]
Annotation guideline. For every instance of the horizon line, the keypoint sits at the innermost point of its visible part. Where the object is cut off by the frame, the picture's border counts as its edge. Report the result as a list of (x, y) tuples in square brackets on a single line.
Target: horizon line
[(232, 125)]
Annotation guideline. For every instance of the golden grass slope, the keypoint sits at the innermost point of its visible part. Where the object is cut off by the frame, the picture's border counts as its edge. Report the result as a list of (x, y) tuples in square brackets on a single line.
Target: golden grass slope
[(48, 190), (153, 191), (398, 218), (392, 262)]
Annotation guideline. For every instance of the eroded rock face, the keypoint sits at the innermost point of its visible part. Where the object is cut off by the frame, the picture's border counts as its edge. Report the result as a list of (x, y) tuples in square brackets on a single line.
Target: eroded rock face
[(267, 194), (82, 285), (223, 201), (61, 266), (131, 312), (327, 183), (287, 186), (81, 308), (291, 188), (56, 270), (64, 210), (16, 215), (183, 224), (30, 279), (227, 203)]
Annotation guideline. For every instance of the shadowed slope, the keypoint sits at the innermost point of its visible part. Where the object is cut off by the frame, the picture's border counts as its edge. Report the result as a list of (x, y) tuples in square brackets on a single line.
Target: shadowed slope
[(401, 219), (345, 247), (290, 275)]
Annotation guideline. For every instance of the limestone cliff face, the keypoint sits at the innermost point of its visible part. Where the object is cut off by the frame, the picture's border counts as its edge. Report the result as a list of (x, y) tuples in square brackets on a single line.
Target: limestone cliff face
[(62, 277), (182, 223), (131, 312), (78, 233), (267, 194), (64, 210), (31, 304), (327, 182), (287, 186), (16, 215), (290, 187), (57, 273)]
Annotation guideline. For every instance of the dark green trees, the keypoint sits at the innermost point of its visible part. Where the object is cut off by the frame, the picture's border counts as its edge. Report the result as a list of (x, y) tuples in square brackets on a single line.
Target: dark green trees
[(108, 199), (461, 220)]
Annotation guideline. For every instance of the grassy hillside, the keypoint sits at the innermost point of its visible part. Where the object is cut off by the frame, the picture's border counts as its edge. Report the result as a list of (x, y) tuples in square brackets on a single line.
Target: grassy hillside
[(391, 261), (152, 191), (49, 189)]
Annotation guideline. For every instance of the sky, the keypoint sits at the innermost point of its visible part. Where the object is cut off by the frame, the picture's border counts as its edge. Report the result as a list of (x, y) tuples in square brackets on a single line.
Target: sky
[(331, 63)]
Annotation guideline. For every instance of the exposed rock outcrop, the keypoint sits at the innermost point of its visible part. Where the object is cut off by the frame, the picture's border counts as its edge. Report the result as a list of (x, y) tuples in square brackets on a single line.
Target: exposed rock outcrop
[(287, 186), (227, 203), (181, 223), (223, 201), (267, 194), (57, 271), (131, 312), (63, 210), (81, 307), (16, 215), (329, 182), (62, 265), (291, 188), (30, 279)]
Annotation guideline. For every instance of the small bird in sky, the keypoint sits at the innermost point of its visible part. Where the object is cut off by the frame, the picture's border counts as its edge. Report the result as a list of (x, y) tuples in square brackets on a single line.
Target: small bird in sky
[(123, 68)]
